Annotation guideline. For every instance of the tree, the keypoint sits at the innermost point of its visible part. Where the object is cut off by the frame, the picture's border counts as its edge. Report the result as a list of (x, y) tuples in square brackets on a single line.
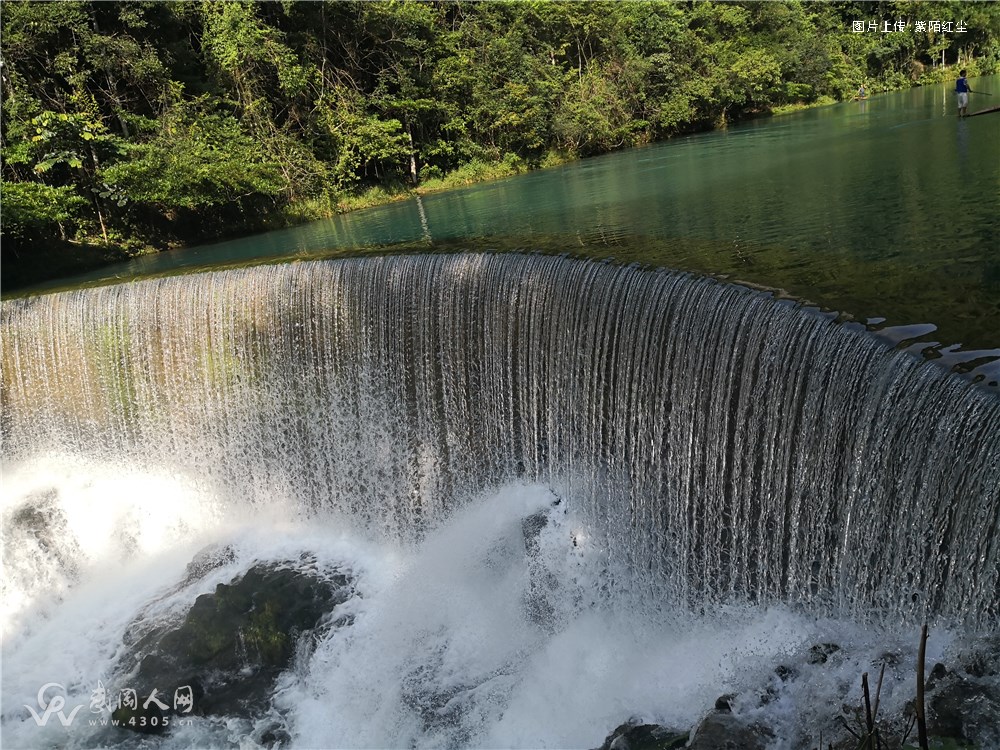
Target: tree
[(70, 148), (199, 159), (32, 208), (121, 119)]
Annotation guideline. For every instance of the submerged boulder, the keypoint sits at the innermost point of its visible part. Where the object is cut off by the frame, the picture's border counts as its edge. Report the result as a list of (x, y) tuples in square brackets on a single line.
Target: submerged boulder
[(224, 657), (820, 653), (41, 523), (634, 735), (542, 584), (723, 730), (964, 708)]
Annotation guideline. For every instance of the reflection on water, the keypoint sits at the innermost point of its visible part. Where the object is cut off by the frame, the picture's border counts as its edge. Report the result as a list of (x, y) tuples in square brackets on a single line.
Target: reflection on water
[(886, 208)]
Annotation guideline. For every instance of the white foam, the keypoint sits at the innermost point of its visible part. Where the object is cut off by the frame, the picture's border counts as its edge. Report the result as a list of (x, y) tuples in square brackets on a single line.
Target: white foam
[(461, 640)]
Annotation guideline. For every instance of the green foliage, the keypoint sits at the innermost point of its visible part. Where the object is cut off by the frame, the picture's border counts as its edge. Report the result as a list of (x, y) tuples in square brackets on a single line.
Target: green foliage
[(594, 116), (475, 171), (69, 140), (33, 207), (357, 143), (119, 119), (200, 158)]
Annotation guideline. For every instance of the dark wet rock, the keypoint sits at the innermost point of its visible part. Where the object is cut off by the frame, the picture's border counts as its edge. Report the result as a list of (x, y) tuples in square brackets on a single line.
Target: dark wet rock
[(541, 582), (36, 516), (634, 735), (821, 652), (983, 658), (722, 730), (224, 657), (725, 702), (889, 658), (41, 520), (209, 559), (531, 528), (769, 695), (963, 708), (784, 673), (274, 736), (145, 719), (938, 672), (963, 701)]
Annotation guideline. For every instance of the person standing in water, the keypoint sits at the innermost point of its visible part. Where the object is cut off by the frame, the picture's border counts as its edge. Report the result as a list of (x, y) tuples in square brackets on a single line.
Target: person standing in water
[(962, 90)]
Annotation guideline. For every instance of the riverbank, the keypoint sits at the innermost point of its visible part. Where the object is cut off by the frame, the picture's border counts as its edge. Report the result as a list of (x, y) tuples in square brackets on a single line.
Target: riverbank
[(220, 120), (471, 173), (27, 263), (53, 259)]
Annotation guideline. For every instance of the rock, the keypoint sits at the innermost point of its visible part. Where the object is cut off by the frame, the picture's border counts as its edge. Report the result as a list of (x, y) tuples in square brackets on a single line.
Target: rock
[(207, 560), (275, 736), (233, 643), (725, 702), (938, 672), (963, 708), (889, 658), (769, 695), (784, 673), (541, 582), (721, 730), (771, 692), (42, 521), (145, 719), (633, 735), (983, 659), (38, 516), (963, 702), (531, 527), (819, 653)]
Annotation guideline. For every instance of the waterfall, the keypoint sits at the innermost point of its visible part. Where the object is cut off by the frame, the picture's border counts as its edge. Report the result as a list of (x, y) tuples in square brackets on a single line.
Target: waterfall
[(722, 445)]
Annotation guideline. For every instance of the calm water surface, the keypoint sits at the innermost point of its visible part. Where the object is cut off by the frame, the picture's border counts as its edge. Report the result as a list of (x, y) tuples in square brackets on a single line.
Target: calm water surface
[(886, 210)]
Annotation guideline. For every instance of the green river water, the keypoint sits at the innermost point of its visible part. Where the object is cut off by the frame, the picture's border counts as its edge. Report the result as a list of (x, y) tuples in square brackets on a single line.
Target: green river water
[(886, 211)]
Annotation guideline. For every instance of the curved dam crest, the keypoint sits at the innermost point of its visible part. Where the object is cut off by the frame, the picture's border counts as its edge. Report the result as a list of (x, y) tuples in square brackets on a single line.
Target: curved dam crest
[(721, 445)]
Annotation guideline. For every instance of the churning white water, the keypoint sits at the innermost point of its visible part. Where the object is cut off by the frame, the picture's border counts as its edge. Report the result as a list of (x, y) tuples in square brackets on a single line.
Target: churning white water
[(565, 493), (444, 648)]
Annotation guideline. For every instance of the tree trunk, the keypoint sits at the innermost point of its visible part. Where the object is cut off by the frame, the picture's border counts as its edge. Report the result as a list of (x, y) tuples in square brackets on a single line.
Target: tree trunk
[(97, 199), (100, 218)]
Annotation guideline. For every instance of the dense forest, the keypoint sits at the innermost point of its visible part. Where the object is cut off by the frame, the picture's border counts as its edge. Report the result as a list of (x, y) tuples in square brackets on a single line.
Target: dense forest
[(129, 126)]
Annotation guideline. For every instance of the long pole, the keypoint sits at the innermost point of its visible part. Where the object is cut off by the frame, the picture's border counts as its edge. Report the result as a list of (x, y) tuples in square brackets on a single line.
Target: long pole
[(921, 717)]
